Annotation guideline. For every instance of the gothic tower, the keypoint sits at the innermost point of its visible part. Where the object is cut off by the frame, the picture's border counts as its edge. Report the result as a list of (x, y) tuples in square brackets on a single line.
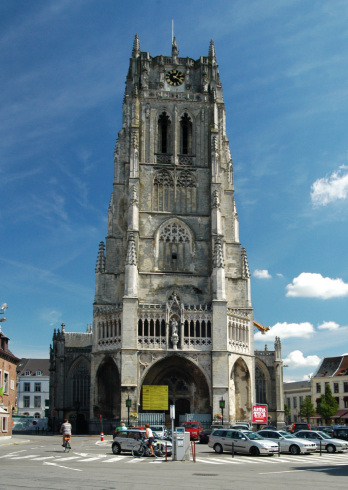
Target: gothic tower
[(172, 295)]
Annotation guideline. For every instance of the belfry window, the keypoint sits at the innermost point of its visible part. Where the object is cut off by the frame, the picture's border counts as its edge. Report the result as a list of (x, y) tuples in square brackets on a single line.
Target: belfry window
[(185, 135), (164, 133)]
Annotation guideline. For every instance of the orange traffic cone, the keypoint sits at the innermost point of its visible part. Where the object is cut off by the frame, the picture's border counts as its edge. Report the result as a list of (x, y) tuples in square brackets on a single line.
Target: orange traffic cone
[(102, 436)]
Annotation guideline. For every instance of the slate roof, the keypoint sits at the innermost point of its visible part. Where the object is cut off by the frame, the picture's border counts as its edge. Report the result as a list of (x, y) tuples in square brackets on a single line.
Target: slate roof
[(33, 365), (333, 366)]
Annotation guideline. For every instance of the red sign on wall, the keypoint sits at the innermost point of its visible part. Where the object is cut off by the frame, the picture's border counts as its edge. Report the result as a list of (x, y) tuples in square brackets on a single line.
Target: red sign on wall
[(260, 414)]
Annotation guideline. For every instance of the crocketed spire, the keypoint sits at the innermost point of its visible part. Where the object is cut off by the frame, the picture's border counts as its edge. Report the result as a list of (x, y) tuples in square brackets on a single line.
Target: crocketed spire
[(131, 258), (212, 55), (218, 259), (100, 267), (245, 265), (136, 47)]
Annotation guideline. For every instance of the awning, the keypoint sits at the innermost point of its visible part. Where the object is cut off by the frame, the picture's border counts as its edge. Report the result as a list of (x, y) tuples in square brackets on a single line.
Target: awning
[(345, 416), (339, 414)]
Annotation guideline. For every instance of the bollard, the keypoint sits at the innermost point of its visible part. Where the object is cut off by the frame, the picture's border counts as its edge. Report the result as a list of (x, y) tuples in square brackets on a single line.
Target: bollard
[(232, 449), (102, 436), (193, 451), (278, 449), (320, 447)]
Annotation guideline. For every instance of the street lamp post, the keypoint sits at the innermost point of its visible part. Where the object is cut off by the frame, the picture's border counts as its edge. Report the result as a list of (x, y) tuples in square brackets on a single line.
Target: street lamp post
[(128, 405), (2, 311), (222, 406)]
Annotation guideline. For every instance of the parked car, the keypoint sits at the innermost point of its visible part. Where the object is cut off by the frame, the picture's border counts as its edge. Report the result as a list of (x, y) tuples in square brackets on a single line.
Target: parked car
[(204, 436), (340, 433), (323, 439), (194, 428), (244, 441), (268, 427), (160, 430), (299, 426), (126, 440), (240, 426), (288, 442)]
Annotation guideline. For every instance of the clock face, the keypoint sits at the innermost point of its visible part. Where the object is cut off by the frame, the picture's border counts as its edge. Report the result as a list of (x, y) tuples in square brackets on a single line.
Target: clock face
[(175, 77)]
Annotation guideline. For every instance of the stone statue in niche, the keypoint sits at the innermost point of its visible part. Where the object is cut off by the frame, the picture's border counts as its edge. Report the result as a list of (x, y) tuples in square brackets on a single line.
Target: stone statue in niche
[(175, 335)]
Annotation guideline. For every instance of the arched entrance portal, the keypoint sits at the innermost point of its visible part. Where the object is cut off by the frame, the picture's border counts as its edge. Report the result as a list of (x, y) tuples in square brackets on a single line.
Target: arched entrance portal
[(242, 390), (108, 396), (188, 389)]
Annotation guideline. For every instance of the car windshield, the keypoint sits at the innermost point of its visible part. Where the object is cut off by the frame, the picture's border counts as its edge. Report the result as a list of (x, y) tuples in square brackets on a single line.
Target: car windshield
[(324, 435), (253, 436), (191, 426), (286, 435)]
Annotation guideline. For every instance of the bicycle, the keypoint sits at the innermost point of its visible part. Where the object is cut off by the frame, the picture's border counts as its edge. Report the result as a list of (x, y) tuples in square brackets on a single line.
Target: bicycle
[(66, 443), (144, 449)]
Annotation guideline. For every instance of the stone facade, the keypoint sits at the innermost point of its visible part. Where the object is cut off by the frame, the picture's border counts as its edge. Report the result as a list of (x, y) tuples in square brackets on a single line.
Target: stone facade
[(172, 299)]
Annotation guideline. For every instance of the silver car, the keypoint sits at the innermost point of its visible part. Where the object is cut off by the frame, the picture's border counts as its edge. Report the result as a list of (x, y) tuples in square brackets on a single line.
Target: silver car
[(241, 441), (126, 440), (289, 443), (322, 439)]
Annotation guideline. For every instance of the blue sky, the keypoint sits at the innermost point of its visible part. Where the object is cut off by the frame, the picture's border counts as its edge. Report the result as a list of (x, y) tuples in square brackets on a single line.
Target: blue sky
[(284, 71)]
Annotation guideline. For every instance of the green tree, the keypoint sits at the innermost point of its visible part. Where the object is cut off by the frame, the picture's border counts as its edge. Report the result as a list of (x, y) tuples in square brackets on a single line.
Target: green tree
[(327, 406), (307, 409), (286, 412)]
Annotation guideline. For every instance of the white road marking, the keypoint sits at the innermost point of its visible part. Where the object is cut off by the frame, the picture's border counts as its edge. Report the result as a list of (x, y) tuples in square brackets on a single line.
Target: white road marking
[(61, 466), (10, 455), (207, 461)]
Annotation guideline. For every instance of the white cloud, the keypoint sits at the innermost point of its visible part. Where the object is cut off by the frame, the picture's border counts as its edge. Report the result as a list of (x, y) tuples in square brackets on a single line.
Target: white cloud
[(311, 285), (52, 317), (328, 326), (287, 330), (262, 274), (332, 188), (297, 359)]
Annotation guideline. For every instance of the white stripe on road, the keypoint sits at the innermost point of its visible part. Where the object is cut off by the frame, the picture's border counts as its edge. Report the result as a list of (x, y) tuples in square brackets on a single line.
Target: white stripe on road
[(207, 461), (61, 466), (112, 460)]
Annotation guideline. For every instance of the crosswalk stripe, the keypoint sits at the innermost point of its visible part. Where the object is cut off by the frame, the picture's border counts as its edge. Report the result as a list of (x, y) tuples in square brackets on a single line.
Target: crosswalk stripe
[(112, 460), (207, 461), (90, 459)]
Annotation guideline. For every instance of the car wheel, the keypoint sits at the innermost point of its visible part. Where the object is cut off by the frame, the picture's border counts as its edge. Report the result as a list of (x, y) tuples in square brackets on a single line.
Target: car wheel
[(116, 448), (254, 451), (294, 450), (330, 448), (218, 448)]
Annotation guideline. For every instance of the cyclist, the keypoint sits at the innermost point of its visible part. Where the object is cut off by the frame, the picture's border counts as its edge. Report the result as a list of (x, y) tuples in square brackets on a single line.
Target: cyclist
[(65, 430), (150, 437)]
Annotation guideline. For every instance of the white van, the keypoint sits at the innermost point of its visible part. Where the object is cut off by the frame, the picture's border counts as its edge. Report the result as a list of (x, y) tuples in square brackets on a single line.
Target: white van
[(160, 430)]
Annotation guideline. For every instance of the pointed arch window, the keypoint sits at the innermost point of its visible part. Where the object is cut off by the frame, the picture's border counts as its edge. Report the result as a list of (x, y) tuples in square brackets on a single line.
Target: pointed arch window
[(260, 382), (81, 385), (164, 125), (163, 191), (185, 135), (186, 197), (174, 247)]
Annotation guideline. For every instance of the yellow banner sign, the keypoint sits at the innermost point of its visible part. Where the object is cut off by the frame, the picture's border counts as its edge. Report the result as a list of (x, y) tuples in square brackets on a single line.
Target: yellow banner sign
[(155, 397)]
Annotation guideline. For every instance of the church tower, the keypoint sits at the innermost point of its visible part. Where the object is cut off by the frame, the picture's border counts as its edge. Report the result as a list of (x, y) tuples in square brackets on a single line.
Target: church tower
[(172, 299)]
